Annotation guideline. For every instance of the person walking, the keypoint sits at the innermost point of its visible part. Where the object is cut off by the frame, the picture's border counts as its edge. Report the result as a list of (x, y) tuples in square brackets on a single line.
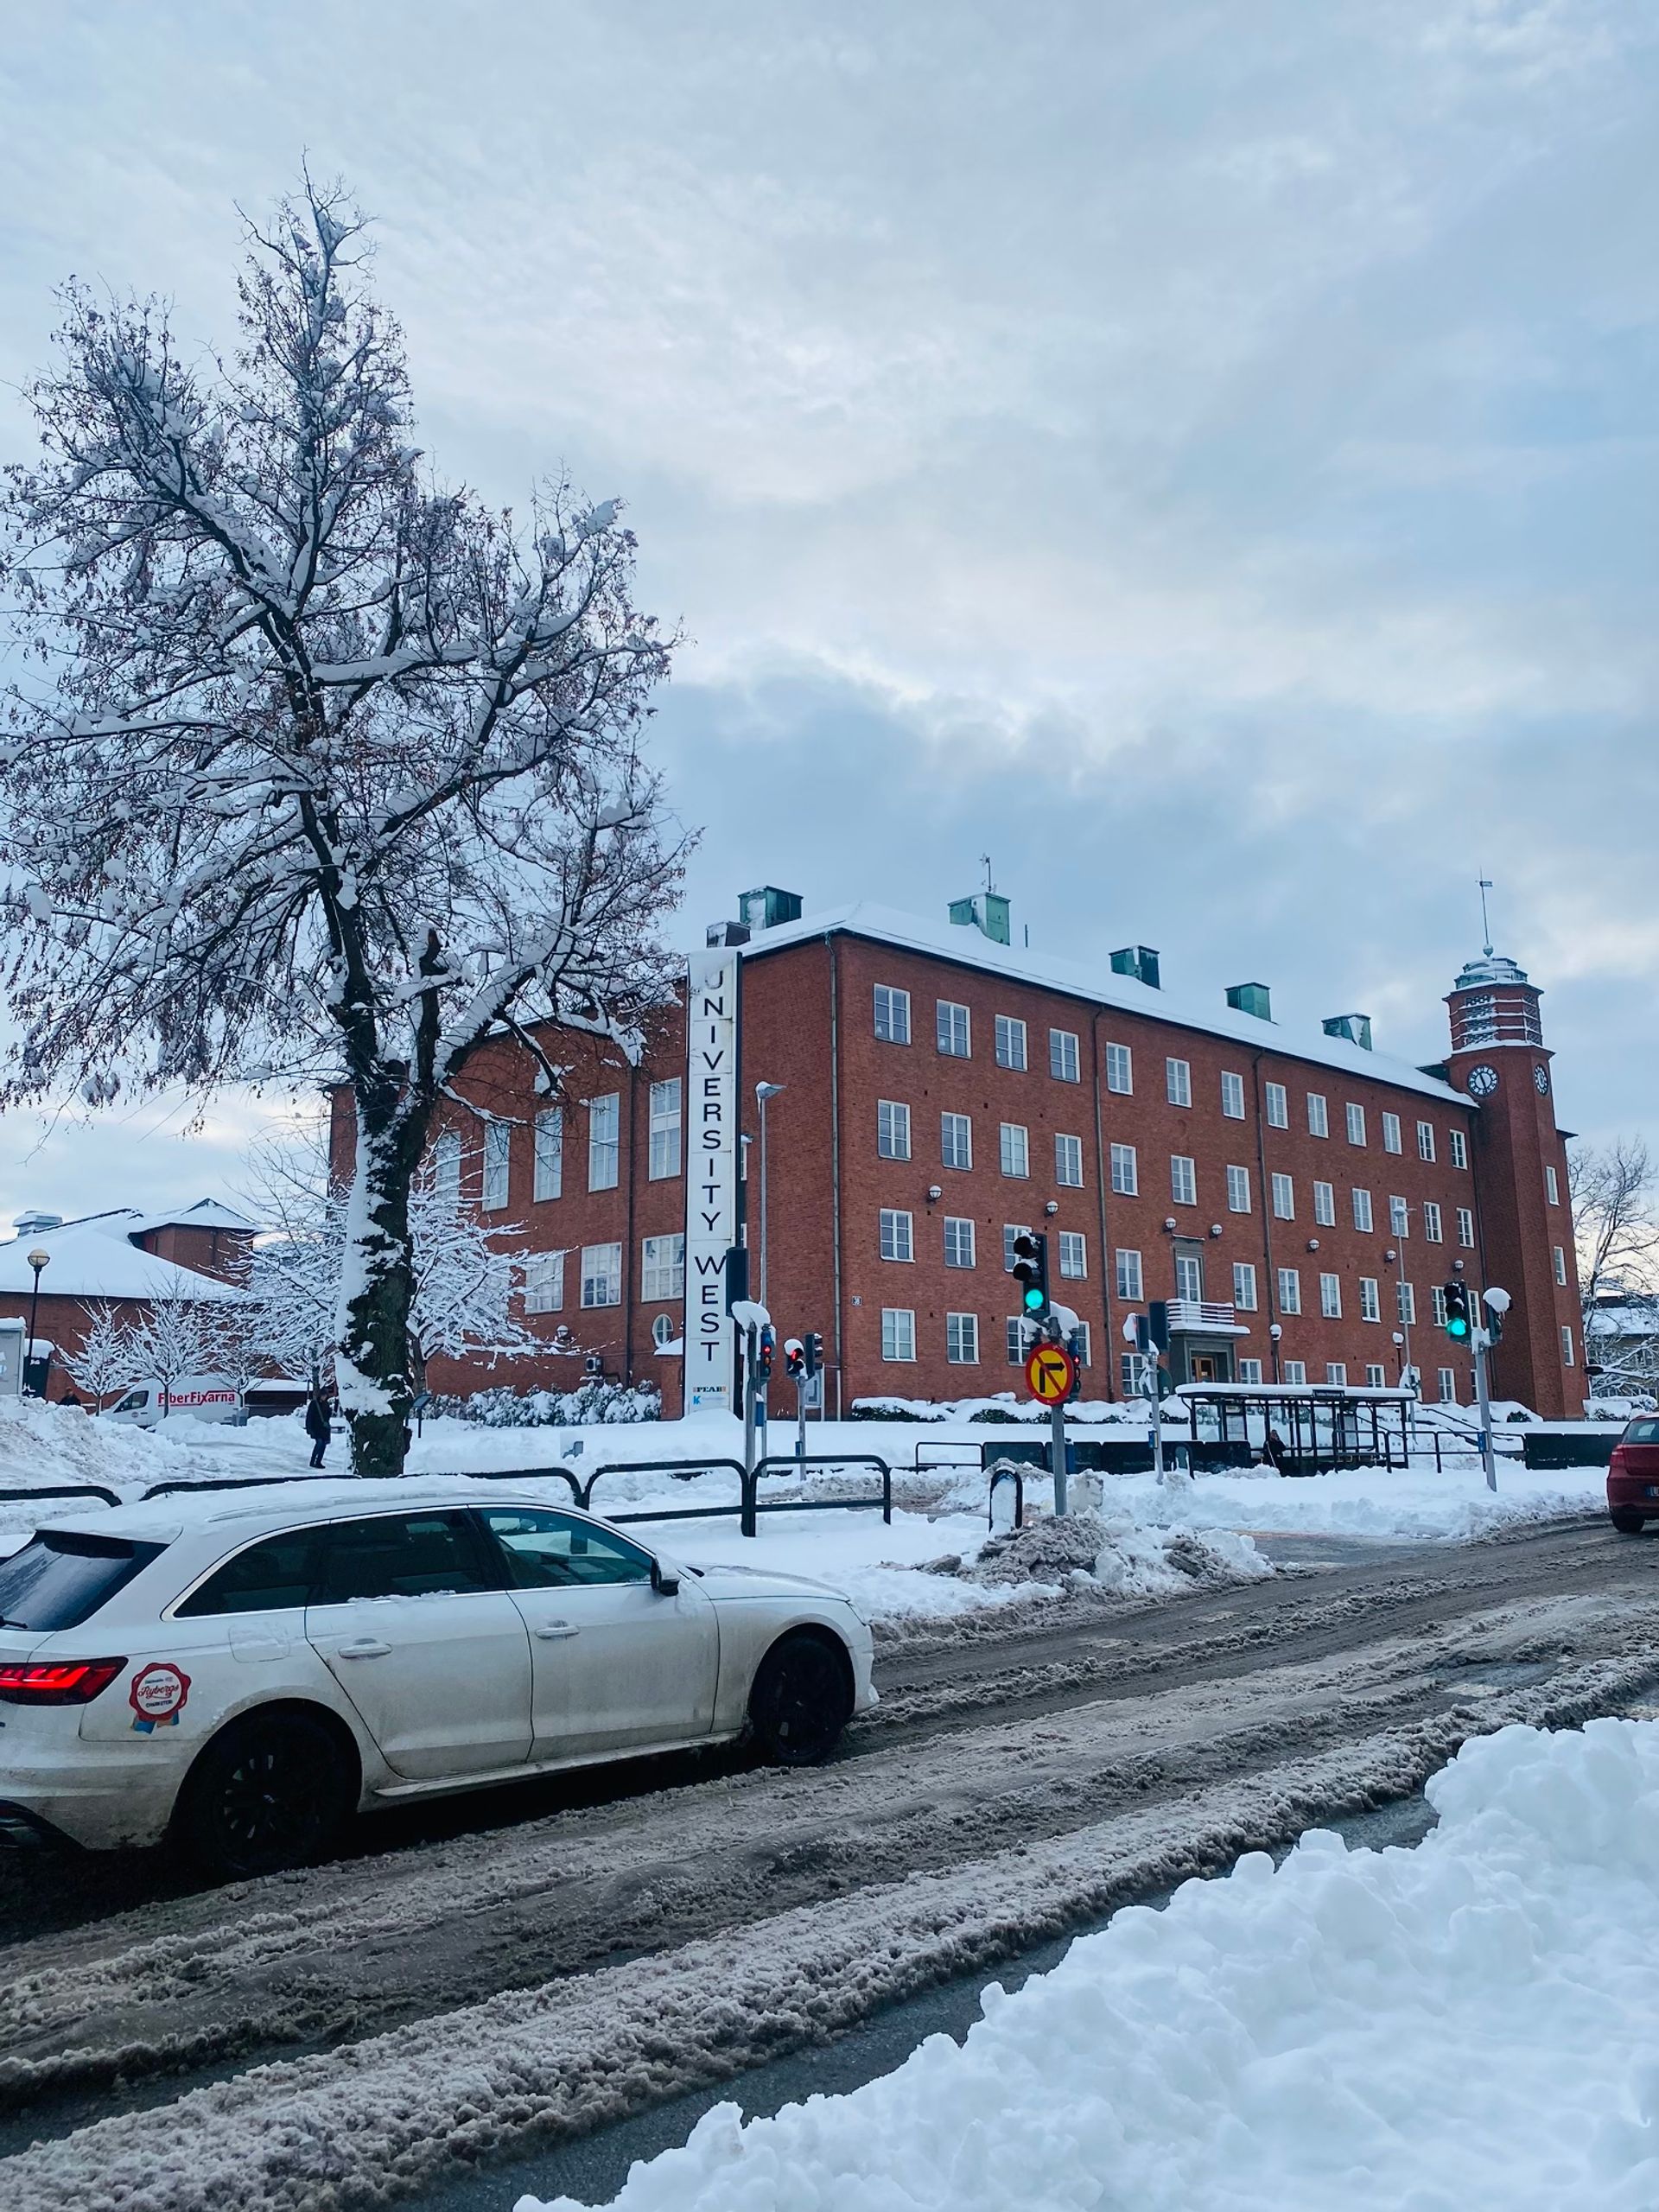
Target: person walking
[(317, 1427)]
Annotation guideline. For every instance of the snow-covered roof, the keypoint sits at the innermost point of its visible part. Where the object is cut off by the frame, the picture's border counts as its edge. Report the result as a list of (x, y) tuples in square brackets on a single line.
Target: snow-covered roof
[(970, 949), (207, 1213), (87, 1261)]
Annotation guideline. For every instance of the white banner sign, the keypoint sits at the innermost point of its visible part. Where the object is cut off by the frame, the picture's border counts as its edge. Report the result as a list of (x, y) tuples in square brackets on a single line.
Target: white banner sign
[(710, 1176)]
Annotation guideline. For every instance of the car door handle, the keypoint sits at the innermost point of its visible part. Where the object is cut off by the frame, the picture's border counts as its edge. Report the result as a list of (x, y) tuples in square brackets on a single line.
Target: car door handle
[(367, 1648), (555, 1631)]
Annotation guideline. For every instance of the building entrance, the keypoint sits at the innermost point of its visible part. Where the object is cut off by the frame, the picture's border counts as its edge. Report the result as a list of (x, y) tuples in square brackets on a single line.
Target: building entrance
[(1203, 1368)]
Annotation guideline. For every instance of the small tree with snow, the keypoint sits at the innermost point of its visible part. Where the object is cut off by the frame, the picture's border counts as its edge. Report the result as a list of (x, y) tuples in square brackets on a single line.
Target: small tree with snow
[(322, 768), (171, 1340), (104, 1362)]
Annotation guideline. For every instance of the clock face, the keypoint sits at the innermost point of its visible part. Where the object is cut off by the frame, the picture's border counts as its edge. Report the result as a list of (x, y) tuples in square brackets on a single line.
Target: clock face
[(1540, 1080), (1482, 1081)]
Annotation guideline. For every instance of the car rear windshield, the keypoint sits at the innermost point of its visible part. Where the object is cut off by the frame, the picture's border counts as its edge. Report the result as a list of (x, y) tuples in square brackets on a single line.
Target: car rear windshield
[(1642, 1431), (59, 1580)]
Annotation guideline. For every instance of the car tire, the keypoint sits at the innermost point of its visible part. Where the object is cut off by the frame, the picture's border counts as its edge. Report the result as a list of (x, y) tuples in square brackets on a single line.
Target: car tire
[(801, 1701), (270, 1791), (1627, 1523)]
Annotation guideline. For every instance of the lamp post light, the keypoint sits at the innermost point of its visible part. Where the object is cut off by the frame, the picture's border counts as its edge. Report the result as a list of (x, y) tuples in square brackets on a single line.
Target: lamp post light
[(1274, 1332), (38, 1259), (1400, 1349), (763, 1092)]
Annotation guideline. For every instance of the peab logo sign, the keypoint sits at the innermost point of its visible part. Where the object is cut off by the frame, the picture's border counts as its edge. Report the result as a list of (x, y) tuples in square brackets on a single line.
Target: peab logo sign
[(710, 1176)]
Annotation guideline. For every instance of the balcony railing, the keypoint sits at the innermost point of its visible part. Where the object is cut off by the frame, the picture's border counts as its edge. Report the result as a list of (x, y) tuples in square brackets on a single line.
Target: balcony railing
[(1204, 1317)]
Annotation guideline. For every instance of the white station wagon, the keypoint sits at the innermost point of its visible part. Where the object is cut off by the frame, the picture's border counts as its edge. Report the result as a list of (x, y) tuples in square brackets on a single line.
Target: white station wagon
[(242, 1675)]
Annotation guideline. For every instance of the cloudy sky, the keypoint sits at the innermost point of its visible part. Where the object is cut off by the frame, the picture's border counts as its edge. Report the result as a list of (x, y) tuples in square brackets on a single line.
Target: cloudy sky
[(1203, 456)]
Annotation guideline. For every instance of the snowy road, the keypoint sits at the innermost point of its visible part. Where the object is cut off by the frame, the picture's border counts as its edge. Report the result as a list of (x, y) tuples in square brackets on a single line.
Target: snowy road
[(517, 1969)]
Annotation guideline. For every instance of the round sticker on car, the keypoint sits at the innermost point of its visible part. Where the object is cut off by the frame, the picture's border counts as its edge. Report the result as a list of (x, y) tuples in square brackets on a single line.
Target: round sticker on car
[(156, 1696)]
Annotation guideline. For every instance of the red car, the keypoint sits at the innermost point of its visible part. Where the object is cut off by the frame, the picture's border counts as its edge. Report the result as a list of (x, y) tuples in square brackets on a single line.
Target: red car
[(1633, 1477)]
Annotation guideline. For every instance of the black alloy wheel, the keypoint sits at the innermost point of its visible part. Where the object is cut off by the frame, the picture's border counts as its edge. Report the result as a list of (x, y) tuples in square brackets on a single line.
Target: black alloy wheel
[(272, 1791), (802, 1700)]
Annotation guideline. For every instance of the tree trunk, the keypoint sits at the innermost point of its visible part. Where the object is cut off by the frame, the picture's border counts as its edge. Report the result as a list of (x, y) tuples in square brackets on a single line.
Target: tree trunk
[(377, 1284)]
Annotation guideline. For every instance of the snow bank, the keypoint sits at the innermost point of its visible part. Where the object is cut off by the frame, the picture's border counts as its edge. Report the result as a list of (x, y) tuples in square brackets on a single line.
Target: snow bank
[(1465, 2027), (1451, 1506), (1119, 1552)]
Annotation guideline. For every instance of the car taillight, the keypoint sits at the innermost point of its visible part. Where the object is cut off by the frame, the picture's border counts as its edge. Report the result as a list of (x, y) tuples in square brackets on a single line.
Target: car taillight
[(56, 1681), (1618, 1464)]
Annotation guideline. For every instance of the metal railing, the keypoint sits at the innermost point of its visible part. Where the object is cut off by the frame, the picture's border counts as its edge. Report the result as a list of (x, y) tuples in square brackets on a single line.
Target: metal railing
[(1194, 1315), (683, 1471), (921, 1466), (783, 1463)]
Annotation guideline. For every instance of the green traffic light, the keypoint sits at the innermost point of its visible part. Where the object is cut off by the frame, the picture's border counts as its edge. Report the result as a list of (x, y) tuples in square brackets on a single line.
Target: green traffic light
[(1033, 1298), (1457, 1328)]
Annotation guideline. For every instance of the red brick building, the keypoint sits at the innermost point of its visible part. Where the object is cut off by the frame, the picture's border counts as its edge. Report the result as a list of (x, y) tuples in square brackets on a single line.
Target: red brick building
[(1299, 1198)]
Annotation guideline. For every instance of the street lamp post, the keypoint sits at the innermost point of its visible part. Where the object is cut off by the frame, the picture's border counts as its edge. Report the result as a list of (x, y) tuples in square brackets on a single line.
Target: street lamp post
[(1275, 1333), (763, 1092), (38, 1260)]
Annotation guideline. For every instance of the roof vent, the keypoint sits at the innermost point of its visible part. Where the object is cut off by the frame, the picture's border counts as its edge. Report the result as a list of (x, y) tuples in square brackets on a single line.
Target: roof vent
[(986, 912), (724, 933), (1250, 998), (32, 1223), (1355, 1027), (766, 908), (1140, 962)]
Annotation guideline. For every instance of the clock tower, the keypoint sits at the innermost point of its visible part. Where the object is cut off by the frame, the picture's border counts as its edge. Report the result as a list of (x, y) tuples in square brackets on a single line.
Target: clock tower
[(1499, 1059)]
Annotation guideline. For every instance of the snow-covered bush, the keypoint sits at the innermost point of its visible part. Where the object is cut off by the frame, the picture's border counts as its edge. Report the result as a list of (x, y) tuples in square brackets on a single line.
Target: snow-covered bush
[(601, 1404)]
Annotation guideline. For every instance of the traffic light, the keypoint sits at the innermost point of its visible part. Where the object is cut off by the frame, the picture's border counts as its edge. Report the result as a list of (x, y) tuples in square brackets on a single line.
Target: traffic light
[(766, 1351), (1030, 1271), (1158, 1322), (811, 1353), (1458, 1323), (794, 1358), (737, 1275)]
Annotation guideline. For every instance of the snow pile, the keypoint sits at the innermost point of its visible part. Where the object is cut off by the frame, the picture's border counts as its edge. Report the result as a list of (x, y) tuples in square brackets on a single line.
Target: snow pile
[(46, 1444), (1132, 1557), (1468, 2024), (1452, 1504)]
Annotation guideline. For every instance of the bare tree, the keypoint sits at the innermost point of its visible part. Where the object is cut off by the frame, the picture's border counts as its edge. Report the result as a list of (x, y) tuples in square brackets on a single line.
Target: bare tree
[(322, 769), (104, 1364), (172, 1338), (1615, 1221)]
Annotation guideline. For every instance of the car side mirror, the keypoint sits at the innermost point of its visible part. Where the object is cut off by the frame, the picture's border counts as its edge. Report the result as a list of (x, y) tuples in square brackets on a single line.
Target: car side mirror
[(666, 1585)]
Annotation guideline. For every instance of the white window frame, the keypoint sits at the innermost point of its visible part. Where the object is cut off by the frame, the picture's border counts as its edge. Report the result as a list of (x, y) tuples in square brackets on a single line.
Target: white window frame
[(1377, 1376), (961, 1339), (1319, 1115), (1336, 1373), (1011, 1042), (1405, 1304), (1130, 1275), (1183, 1179), (1466, 1228), (1448, 1377), (543, 1282), (1014, 1150), (1278, 1104), (960, 1238), (898, 1335), (548, 1160), (1238, 1189), (446, 1166), (1290, 1290), (1126, 1172), (1120, 1070), (896, 1235), (1325, 1205), (1437, 1306), (1399, 1218), (1460, 1144), (1074, 1256), (1284, 1196), (605, 1152), (1011, 1231), (892, 1014), (496, 1190), (1296, 1373), (602, 1271), (1552, 1188), (1249, 1371), (1232, 1095), (1355, 1115), (1363, 1218), (1426, 1140), (1433, 1226), (1567, 1349), (891, 1130), (1178, 1082), (1560, 1252), (1371, 1299), (1189, 1277), (1065, 1062), (1330, 1297), (1391, 1138), (953, 1029), (662, 1268), (960, 1125), (662, 1161), (1244, 1289), (1067, 1162)]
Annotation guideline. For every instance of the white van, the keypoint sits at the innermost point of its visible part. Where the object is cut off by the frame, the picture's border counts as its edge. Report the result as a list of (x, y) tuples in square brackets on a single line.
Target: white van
[(209, 1397)]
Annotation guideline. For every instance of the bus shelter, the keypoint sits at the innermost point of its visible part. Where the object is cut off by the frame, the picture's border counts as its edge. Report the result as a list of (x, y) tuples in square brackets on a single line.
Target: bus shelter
[(1300, 1428)]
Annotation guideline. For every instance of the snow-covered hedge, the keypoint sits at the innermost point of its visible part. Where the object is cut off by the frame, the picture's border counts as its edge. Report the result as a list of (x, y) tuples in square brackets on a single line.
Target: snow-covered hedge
[(604, 1403)]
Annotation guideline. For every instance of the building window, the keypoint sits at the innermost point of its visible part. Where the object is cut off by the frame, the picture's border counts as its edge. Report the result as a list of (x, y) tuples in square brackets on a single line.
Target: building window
[(1178, 1082), (1249, 1371), (1405, 1302), (604, 1142), (1284, 1198), (1010, 1041), (664, 1332), (498, 1162), (896, 1234), (951, 1029), (1011, 1231), (1391, 1133), (1016, 1342), (958, 1240), (1244, 1285), (961, 1339), (1362, 1210), (956, 1140), (544, 1282), (1371, 1302), (898, 1332), (1432, 1229), (1448, 1386), (1125, 1175), (1278, 1106), (664, 1152), (1120, 1067), (1063, 1057), (1399, 1217), (1552, 1189), (547, 1165), (1232, 1098), (891, 1130), (1296, 1373), (1437, 1306), (1466, 1228), (891, 1015), (446, 1168), (1015, 1149), (602, 1274), (1189, 1277), (1319, 1120), (1083, 1346), (1336, 1371), (1290, 1290), (1561, 1263), (1238, 1189), (1356, 1123), (1330, 1297), (662, 1268), (1068, 1163), (1129, 1277), (1325, 1204), (1183, 1180), (1137, 1374), (1376, 1378), (1425, 1140), (1567, 1345), (1459, 1148), (1074, 1254)]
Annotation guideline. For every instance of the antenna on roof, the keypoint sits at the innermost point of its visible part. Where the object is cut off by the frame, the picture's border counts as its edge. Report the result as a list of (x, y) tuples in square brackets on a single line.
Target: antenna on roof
[(985, 862), (1485, 925)]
